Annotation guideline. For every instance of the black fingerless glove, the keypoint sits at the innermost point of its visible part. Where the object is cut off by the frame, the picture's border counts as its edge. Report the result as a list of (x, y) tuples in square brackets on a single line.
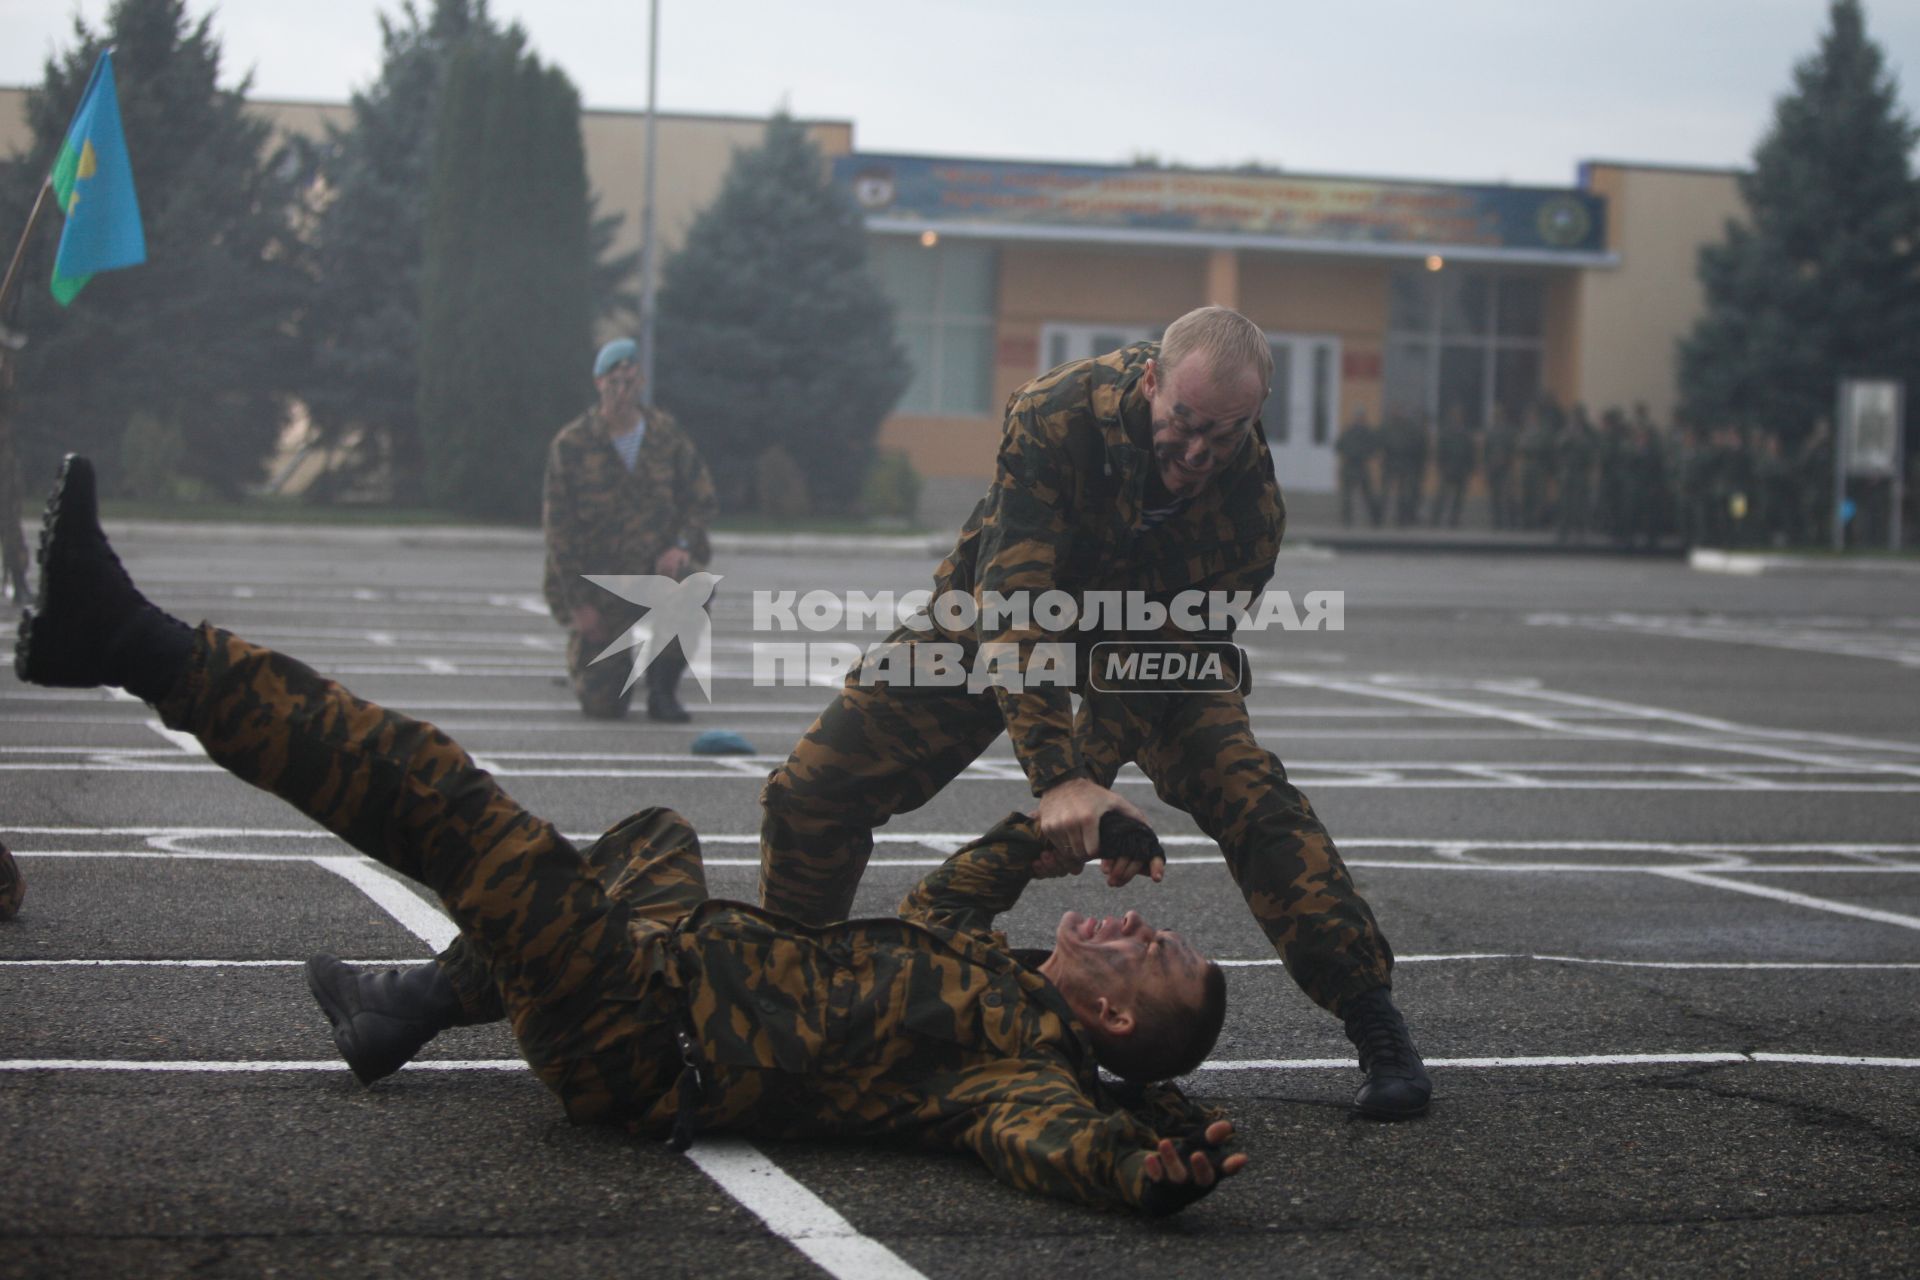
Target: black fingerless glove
[(1127, 838), (1167, 1197)]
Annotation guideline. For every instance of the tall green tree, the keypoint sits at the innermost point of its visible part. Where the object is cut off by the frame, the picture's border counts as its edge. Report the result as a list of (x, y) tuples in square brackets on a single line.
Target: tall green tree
[(196, 350), (1822, 280), (506, 302), (773, 331), (369, 233)]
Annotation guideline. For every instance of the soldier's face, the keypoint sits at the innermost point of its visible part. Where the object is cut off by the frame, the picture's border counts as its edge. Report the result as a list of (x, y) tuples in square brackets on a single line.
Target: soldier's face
[(1125, 959), (619, 388), (1200, 422)]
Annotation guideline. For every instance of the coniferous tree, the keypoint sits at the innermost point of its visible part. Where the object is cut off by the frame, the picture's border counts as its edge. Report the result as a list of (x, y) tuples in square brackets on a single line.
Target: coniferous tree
[(507, 282), (1823, 279), (773, 333), (196, 348), (366, 322)]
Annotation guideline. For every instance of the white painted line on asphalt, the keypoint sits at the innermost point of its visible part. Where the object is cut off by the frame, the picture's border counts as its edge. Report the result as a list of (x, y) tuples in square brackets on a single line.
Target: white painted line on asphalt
[(1260, 963), (1788, 896), (1584, 1060), (789, 1209), (1550, 1061), (795, 1214), (180, 738), (412, 911), (188, 964), (1730, 965), (244, 1066)]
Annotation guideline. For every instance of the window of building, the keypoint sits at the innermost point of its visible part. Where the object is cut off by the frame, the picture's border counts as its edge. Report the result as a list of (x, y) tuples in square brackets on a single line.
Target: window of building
[(943, 299), (1464, 340)]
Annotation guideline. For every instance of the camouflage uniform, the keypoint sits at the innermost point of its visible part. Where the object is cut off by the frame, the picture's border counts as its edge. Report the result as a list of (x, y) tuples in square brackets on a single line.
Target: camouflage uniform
[(1357, 446), (1064, 514), (1453, 460), (1502, 444), (926, 1026), (601, 518)]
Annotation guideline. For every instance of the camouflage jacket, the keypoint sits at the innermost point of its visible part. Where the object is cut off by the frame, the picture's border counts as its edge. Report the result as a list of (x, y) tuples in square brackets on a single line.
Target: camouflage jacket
[(601, 518), (926, 1026), (1063, 514)]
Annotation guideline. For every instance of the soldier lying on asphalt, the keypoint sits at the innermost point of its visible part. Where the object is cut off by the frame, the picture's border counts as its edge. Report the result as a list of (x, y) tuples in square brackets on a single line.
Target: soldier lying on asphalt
[(637, 999)]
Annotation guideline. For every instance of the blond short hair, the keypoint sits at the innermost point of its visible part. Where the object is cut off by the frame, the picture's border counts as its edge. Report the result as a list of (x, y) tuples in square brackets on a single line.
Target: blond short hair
[(1225, 341)]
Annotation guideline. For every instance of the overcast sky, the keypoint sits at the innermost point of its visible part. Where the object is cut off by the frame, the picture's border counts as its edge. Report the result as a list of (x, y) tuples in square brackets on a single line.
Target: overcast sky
[(1469, 90)]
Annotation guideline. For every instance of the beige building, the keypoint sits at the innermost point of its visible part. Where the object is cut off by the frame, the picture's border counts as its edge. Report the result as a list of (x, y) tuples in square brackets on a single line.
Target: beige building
[(1379, 296)]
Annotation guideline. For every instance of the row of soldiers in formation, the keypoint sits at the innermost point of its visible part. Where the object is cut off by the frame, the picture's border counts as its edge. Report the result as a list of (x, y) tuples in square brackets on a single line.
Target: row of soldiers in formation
[(1625, 479)]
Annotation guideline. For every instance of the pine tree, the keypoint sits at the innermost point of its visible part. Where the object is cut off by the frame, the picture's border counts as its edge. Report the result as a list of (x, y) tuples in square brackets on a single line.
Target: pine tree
[(506, 306), (366, 321), (197, 345), (1823, 279), (773, 332)]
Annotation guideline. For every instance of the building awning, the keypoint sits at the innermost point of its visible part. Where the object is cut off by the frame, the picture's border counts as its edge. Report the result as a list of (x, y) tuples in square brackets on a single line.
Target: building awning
[(1087, 204)]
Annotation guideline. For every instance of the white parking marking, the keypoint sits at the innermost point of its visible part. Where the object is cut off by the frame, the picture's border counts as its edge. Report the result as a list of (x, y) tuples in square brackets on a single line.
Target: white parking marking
[(795, 1214), (1796, 899)]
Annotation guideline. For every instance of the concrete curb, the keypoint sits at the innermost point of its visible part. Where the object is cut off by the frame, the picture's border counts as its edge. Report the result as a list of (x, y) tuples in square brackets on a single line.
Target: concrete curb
[(1751, 563)]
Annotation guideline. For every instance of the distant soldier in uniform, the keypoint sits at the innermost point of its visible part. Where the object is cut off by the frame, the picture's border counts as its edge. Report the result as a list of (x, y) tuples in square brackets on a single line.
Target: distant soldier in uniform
[(636, 999), (1615, 450), (1406, 466), (1646, 496), (1573, 456), (1144, 470), (1537, 452), (1502, 447), (626, 493), (1357, 446), (1453, 461)]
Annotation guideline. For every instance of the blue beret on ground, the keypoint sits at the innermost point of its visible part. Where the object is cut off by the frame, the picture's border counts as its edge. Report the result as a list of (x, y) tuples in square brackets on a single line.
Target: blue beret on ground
[(721, 742)]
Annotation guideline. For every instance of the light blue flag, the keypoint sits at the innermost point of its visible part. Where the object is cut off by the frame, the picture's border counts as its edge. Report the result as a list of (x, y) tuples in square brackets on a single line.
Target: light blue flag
[(93, 182)]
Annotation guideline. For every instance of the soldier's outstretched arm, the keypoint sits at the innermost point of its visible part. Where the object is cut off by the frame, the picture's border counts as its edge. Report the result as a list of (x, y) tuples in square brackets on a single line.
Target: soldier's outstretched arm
[(980, 881), (1043, 1135)]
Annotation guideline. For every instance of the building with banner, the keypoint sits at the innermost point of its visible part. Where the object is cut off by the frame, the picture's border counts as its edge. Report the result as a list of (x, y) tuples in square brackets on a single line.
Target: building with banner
[(1380, 296)]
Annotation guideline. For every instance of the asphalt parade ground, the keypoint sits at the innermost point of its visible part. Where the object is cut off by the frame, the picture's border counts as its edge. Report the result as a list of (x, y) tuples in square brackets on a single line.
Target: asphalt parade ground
[(1645, 840)]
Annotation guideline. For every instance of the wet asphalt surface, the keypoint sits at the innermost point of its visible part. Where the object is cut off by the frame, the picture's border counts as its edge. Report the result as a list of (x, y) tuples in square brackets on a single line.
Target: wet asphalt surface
[(1646, 841)]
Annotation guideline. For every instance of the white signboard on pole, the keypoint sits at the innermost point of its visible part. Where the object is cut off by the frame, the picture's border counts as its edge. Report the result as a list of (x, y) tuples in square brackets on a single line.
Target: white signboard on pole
[(1871, 435)]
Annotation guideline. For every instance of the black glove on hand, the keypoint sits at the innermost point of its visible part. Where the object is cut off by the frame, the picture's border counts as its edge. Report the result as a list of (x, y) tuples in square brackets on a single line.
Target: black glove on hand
[(1165, 1196), (1127, 839)]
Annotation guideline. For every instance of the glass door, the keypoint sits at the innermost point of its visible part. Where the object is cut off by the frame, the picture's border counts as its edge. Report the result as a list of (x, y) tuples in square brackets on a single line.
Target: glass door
[(1303, 410)]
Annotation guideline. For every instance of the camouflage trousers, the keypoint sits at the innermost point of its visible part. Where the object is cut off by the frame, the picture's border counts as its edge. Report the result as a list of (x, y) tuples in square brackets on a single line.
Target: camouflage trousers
[(602, 687), (574, 949), (882, 750)]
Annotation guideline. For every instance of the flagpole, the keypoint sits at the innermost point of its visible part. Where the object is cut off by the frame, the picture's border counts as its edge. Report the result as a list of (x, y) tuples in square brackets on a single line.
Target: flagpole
[(20, 250)]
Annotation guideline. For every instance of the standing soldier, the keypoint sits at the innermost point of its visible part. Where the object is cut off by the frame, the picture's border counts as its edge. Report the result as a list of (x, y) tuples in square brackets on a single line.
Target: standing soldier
[(1646, 484), (1502, 441), (1536, 462), (1357, 446), (1615, 447), (1453, 457), (1574, 456), (1406, 466), (626, 493)]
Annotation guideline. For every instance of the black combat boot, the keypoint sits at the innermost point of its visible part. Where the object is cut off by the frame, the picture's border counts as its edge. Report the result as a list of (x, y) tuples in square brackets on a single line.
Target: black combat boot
[(1397, 1086), (380, 1020), (663, 678), (89, 625)]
